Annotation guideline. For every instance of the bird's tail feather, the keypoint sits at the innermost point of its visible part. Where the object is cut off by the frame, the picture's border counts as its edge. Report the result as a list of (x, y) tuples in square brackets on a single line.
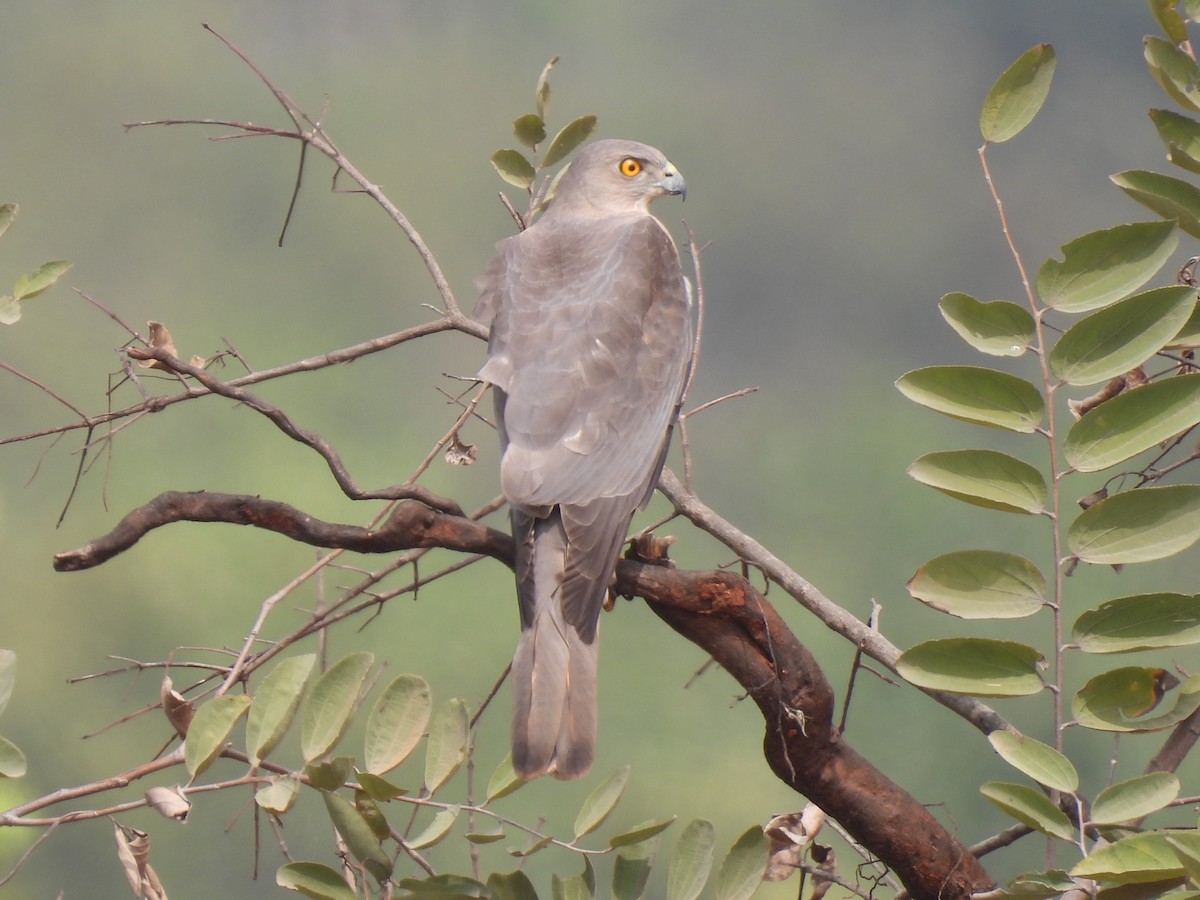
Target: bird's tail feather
[(553, 671)]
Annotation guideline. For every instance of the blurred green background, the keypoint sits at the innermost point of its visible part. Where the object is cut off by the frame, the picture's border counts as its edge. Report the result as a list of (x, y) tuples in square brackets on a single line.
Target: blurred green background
[(830, 153)]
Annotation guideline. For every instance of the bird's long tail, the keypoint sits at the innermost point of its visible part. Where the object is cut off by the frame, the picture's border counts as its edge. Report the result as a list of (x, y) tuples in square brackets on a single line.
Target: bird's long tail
[(554, 668)]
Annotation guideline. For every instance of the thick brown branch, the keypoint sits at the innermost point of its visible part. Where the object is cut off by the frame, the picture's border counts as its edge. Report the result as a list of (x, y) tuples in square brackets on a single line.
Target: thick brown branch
[(720, 612)]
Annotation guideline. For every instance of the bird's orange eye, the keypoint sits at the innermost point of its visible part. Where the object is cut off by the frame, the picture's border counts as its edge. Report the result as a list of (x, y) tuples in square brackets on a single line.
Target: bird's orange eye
[(630, 167)]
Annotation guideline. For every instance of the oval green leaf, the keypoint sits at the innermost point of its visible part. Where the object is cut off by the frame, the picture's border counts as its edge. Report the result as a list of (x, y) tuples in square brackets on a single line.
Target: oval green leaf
[(1181, 136), (1170, 197), (577, 887), (998, 328), (1140, 622), (1175, 71), (975, 394), (1017, 95), (1133, 422), (360, 839), (396, 722), (41, 279), (278, 795), (984, 478), (8, 676), (379, 788), (1137, 526), (640, 833), (504, 780), (1039, 761), (691, 861), (1135, 798), (1122, 700), (1186, 845), (513, 885), (447, 886), (330, 774), (600, 802), (1102, 267), (1132, 860), (1122, 336), (314, 880), (631, 871), (980, 584), (529, 130), (331, 703), (568, 138), (209, 731), (513, 167), (275, 703), (1029, 806), (742, 870), (447, 746), (12, 760), (437, 829), (541, 93), (976, 666)]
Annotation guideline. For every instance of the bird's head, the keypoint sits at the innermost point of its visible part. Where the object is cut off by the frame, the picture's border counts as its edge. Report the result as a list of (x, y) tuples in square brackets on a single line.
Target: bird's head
[(617, 177)]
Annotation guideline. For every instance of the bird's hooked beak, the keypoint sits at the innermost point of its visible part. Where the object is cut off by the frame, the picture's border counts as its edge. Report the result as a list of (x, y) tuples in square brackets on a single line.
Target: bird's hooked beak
[(673, 183)]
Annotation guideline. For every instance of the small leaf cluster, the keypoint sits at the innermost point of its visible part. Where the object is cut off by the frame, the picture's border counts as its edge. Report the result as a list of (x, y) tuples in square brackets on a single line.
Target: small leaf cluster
[(27, 286), (1089, 321), (359, 792), (521, 168)]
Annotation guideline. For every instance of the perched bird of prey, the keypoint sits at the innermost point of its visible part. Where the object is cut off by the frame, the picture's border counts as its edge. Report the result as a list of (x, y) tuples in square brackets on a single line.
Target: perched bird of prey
[(591, 336)]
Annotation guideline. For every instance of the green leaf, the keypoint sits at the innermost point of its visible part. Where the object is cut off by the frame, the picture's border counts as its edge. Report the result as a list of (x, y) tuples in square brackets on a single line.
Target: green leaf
[(1182, 137), (8, 674), (41, 279), (1035, 885), (1131, 860), (980, 584), (534, 846), (600, 802), (1141, 622), (529, 130), (366, 807), (504, 780), (1132, 422), (513, 885), (359, 838), (1134, 798), (1138, 525), (1039, 761), (1189, 335), (743, 868), (577, 887), (513, 167), (1186, 845), (1175, 71), (437, 829), (447, 746), (10, 311), (8, 213), (640, 833), (12, 760), (1169, 20), (1017, 95), (1029, 806), (976, 666), (541, 94), (275, 703), (974, 394), (984, 478), (330, 774), (278, 795), (1102, 267), (396, 722), (631, 870), (998, 328), (691, 861), (486, 837), (1121, 337), (443, 887), (209, 731), (568, 138), (314, 880), (1122, 699), (380, 788), (1170, 197), (331, 703)]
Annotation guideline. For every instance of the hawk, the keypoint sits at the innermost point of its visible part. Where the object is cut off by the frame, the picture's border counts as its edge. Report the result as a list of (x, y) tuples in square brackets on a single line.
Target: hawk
[(591, 337)]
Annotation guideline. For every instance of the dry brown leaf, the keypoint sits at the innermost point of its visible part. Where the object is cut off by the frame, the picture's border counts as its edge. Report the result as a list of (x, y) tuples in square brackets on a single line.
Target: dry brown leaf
[(160, 339), (178, 709), (460, 454), (170, 802)]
